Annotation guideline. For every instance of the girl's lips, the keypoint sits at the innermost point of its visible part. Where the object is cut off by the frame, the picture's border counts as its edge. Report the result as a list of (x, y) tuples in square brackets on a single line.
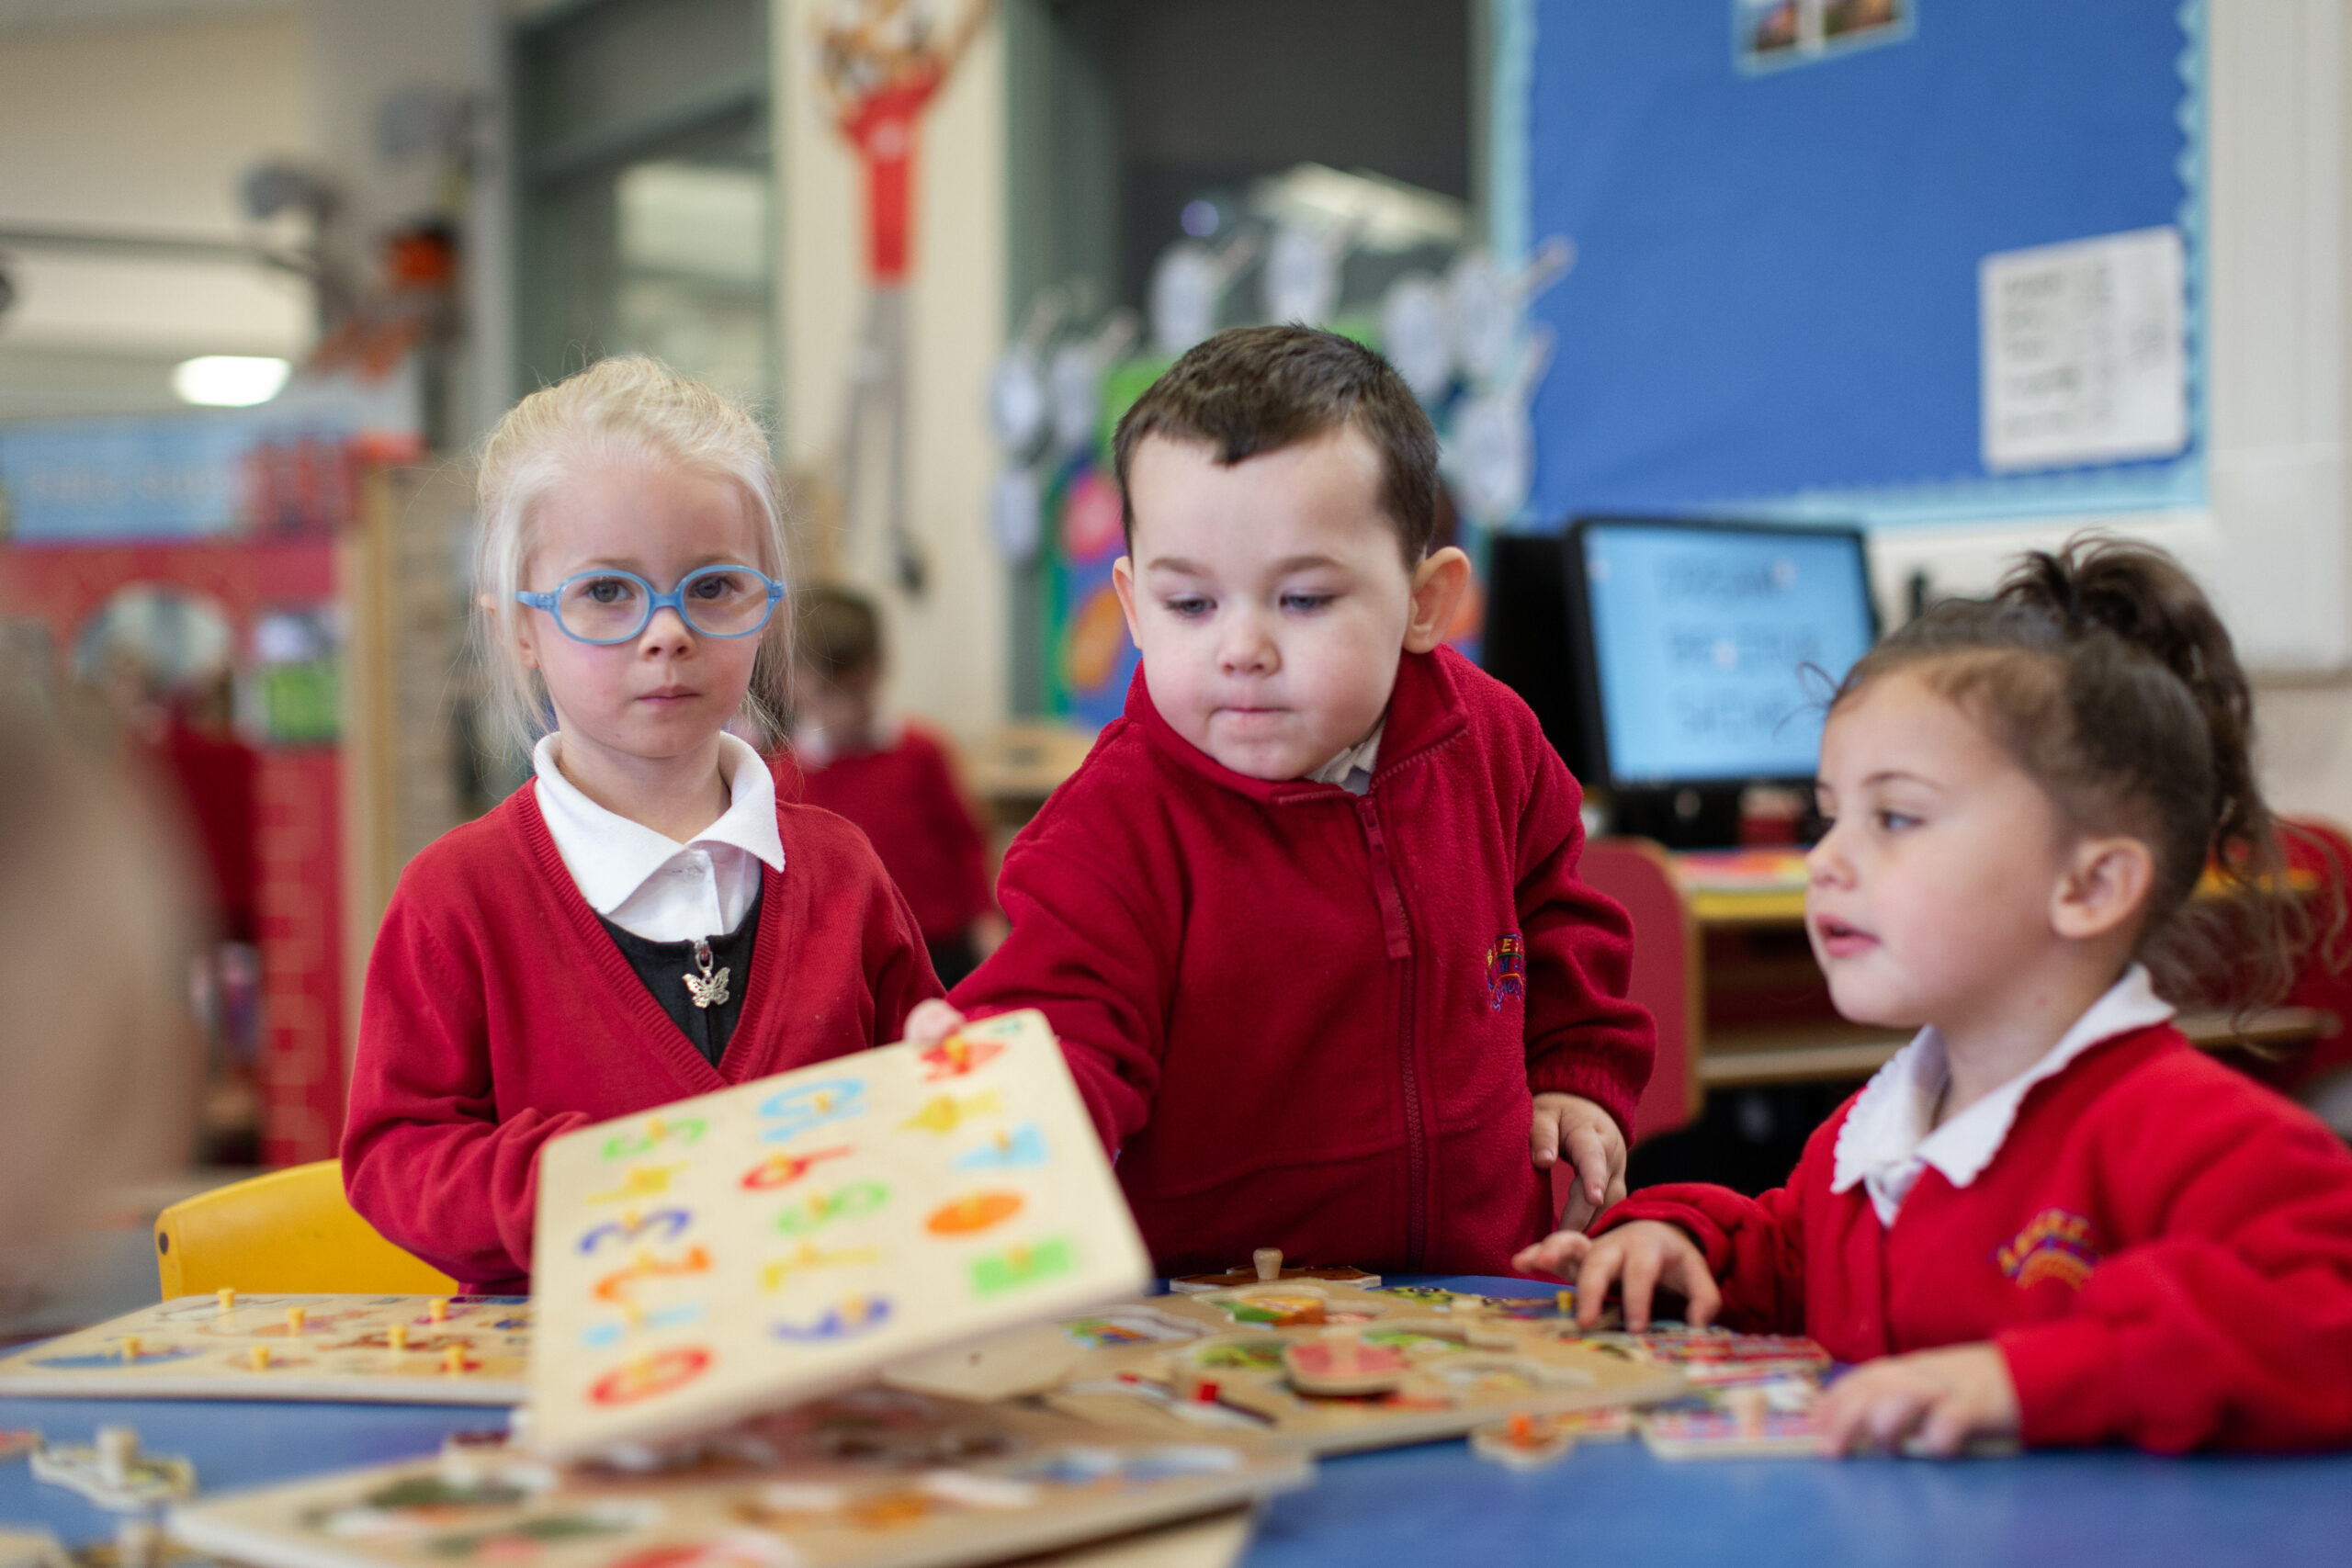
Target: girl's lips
[(667, 694), (1839, 940)]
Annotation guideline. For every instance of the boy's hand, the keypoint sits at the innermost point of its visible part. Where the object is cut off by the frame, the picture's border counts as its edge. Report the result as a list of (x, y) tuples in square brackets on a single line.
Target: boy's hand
[(932, 1021), (1638, 1258), (1571, 1126), (1931, 1402)]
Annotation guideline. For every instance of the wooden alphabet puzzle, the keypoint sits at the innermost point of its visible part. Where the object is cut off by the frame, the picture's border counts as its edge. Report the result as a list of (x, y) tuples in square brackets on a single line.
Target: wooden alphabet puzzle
[(872, 1478), (734, 1252), (381, 1349), (1328, 1368)]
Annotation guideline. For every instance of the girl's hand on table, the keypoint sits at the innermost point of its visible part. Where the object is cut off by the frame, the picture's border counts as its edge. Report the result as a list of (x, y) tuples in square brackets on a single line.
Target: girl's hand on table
[(1638, 1258), (1930, 1402)]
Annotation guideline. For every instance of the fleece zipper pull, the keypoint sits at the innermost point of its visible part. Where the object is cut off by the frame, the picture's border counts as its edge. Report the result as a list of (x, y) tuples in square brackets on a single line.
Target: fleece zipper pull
[(1393, 927)]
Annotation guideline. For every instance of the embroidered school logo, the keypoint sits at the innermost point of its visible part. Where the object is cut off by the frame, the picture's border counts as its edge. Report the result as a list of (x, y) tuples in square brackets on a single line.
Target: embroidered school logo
[(1505, 971), (2054, 1244)]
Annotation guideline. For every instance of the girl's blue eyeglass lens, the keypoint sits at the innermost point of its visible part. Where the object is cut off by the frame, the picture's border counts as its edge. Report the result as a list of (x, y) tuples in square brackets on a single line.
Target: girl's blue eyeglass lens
[(615, 607)]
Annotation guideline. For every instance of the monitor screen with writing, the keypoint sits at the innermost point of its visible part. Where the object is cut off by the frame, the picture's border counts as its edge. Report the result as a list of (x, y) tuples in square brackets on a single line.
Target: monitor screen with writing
[(1704, 643)]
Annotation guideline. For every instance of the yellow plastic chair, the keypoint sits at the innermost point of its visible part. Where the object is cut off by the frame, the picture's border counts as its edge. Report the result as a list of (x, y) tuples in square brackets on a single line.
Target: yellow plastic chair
[(290, 1231)]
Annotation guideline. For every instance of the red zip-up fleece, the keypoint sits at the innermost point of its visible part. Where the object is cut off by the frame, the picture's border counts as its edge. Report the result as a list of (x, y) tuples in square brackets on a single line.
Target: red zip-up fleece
[(1316, 1021), (499, 1013), (2162, 1251)]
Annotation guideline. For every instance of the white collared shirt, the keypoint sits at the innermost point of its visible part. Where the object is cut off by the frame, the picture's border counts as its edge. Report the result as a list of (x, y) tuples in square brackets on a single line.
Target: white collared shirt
[(1890, 1137), (649, 883), (1351, 769)]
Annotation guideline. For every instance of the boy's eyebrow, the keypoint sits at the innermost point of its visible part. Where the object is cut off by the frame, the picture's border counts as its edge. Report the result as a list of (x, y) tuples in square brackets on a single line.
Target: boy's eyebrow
[(1176, 564), (1900, 776), (1304, 563)]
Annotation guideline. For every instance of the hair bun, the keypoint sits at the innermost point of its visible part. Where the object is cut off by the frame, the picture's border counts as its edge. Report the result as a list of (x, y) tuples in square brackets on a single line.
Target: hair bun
[(2095, 583)]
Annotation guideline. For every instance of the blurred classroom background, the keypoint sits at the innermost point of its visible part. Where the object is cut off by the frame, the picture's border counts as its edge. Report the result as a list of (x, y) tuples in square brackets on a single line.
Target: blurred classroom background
[(1953, 279)]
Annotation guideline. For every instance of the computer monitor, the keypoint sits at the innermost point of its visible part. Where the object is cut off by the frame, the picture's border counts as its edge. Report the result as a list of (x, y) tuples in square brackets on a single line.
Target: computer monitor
[(1674, 662)]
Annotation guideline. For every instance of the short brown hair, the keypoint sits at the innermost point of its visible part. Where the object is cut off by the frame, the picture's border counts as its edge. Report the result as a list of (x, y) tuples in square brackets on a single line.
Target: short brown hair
[(840, 635), (1252, 390)]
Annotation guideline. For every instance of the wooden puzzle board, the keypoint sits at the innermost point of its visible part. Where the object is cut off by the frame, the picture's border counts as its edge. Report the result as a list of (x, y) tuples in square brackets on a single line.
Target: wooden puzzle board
[(1472, 1359), (190, 1349), (874, 1478), (738, 1251)]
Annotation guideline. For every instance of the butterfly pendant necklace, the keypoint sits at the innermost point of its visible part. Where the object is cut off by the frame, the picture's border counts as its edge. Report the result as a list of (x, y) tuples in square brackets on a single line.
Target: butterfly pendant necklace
[(709, 988)]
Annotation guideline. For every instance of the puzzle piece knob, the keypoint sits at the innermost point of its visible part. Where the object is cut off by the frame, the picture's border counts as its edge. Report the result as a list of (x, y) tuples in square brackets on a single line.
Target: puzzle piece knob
[(1269, 1263), (117, 1449), (226, 1296), (138, 1543), (294, 1318), (437, 1308), (397, 1336)]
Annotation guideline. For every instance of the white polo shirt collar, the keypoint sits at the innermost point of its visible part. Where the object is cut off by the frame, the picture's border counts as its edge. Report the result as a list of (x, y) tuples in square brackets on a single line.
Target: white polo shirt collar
[(1889, 1139), (648, 883)]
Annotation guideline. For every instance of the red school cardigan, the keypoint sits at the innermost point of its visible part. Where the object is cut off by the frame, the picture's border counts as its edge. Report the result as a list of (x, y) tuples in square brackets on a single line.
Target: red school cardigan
[(2162, 1251), (1313, 1021), (499, 1013)]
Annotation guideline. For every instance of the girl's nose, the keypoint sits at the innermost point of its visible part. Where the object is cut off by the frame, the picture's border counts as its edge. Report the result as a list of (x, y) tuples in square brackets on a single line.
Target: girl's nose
[(667, 632), (1826, 864)]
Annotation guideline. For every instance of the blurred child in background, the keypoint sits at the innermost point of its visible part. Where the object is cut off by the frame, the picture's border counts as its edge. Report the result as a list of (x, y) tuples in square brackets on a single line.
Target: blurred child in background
[(99, 1049), (895, 780)]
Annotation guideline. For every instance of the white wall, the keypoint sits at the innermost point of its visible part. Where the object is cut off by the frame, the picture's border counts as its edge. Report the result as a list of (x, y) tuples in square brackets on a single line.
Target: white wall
[(147, 122), (947, 648), (2275, 542)]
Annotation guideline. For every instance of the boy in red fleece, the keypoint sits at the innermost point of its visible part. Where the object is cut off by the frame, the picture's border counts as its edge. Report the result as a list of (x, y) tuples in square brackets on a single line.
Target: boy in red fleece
[(1307, 920)]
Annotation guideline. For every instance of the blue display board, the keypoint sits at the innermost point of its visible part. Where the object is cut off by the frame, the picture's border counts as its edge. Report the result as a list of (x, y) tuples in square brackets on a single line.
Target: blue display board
[(1774, 308)]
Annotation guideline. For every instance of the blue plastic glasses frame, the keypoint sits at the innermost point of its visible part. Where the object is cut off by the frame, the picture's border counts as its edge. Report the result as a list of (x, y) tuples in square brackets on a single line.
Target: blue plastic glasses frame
[(655, 603)]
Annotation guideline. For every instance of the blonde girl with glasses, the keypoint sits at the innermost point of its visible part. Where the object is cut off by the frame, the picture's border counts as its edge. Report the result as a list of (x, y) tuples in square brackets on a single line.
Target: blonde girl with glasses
[(643, 921)]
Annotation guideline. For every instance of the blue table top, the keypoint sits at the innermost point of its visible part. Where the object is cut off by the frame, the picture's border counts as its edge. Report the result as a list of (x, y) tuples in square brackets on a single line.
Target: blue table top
[(1433, 1504)]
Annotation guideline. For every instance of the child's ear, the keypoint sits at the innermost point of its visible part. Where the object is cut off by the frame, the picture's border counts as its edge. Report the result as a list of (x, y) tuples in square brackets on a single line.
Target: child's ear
[(1122, 583), (2104, 889), (519, 629), (1439, 583)]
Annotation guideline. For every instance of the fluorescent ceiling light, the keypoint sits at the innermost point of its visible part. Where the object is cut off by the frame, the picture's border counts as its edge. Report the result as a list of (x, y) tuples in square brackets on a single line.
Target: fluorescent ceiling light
[(230, 380)]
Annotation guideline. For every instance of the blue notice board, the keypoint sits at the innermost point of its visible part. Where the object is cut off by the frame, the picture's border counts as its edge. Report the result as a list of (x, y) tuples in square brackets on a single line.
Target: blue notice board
[(1774, 307)]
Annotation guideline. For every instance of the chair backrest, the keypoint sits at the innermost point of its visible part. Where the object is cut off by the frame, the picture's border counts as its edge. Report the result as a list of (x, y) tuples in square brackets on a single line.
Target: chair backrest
[(1638, 873), (292, 1230)]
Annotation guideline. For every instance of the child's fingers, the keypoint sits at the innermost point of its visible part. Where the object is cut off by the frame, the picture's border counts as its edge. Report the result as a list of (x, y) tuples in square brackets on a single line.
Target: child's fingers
[(932, 1021), (1544, 1136), (1949, 1424), (1556, 1254), (1637, 1285), (1590, 1150), (1593, 1279), (1701, 1298)]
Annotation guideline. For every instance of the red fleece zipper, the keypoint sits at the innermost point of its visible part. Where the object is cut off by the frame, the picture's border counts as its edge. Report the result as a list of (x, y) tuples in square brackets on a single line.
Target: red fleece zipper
[(1399, 937)]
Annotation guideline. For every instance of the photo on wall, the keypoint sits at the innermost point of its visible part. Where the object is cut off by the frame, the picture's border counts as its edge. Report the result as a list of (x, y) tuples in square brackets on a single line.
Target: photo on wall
[(1768, 35)]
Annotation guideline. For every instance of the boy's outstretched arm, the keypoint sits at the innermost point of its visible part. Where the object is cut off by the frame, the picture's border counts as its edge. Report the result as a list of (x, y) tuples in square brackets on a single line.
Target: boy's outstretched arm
[(1091, 959), (1584, 1038)]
